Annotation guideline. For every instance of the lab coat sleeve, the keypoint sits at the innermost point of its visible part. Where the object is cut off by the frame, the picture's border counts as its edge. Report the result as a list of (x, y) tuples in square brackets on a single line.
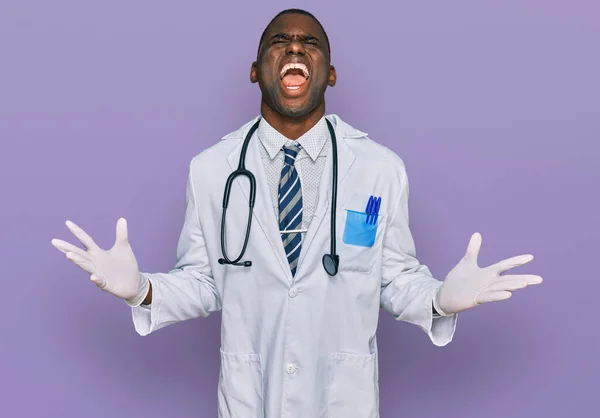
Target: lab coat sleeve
[(407, 287), (187, 291)]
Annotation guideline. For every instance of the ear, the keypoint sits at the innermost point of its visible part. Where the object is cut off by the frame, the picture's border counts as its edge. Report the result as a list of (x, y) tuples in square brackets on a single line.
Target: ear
[(253, 73), (332, 76)]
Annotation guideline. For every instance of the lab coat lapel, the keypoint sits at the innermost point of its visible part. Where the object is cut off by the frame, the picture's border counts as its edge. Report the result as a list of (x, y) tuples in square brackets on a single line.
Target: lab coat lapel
[(345, 160), (263, 213)]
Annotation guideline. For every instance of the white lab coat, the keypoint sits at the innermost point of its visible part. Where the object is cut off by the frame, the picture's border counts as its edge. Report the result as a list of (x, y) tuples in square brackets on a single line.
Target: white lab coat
[(301, 347)]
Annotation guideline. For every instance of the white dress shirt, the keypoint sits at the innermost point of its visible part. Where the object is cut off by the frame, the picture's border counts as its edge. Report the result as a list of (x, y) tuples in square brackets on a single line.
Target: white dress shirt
[(309, 164)]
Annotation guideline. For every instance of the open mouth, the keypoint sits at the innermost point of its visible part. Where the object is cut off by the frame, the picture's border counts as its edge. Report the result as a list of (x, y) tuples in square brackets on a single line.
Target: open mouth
[(294, 75)]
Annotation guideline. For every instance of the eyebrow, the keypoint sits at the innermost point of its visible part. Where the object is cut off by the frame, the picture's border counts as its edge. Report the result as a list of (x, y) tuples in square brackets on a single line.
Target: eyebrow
[(311, 38), (287, 36)]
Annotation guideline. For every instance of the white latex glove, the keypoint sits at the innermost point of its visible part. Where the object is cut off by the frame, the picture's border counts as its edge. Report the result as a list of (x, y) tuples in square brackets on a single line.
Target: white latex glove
[(114, 271), (468, 285)]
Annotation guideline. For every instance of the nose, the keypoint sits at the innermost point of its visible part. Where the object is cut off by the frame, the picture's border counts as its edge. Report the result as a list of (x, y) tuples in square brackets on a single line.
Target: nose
[(295, 47)]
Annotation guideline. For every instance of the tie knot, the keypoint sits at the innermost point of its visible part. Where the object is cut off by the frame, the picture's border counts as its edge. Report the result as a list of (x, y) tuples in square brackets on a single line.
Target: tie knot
[(290, 153)]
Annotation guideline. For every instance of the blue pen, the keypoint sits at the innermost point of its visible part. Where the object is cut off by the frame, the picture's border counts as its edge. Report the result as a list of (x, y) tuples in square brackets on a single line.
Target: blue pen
[(373, 211), (369, 207), (377, 205)]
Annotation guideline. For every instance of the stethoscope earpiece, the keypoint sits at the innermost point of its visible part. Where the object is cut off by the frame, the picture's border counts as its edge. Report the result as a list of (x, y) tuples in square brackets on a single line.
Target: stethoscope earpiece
[(246, 263)]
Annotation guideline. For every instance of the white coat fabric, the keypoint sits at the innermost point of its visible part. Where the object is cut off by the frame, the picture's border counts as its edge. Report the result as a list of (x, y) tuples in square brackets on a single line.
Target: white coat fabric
[(303, 346)]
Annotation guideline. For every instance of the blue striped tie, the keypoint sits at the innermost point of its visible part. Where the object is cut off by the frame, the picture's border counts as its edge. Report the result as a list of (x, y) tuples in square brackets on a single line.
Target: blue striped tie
[(290, 206)]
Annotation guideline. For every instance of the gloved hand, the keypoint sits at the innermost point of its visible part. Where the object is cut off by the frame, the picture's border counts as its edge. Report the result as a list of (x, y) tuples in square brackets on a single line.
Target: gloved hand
[(115, 271), (468, 285)]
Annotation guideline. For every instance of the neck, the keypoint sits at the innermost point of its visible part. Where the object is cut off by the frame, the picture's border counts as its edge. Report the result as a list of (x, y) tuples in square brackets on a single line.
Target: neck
[(292, 127)]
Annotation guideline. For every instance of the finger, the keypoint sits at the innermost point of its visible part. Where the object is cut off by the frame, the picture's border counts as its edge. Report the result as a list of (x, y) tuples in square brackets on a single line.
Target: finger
[(513, 284), (121, 231), (81, 235), (66, 247), (98, 281), (530, 279), (473, 248), (493, 296), (511, 263), (82, 262)]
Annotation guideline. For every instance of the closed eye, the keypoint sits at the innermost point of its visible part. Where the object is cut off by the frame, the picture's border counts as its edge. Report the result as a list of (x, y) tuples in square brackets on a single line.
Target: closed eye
[(279, 38), (282, 37), (311, 40)]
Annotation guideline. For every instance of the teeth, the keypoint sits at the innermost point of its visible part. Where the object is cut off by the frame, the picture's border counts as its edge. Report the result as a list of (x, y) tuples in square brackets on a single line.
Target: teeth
[(294, 66)]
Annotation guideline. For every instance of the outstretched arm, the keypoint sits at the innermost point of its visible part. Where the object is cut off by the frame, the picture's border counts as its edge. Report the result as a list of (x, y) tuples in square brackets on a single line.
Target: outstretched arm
[(407, 286), (157, 299)]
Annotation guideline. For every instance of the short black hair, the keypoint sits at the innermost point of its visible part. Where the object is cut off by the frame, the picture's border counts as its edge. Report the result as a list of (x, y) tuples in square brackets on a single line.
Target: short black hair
[(297, 12)]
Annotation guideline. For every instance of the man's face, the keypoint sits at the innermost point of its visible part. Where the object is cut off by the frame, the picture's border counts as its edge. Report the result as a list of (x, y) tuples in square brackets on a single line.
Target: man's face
[(292, 68)]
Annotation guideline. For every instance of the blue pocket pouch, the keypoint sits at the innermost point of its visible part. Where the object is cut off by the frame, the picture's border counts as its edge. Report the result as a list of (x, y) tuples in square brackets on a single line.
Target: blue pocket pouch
[(357, 231)]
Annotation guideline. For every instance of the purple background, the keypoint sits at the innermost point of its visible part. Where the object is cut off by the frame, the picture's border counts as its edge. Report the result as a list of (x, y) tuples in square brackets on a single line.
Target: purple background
[(494, 108)]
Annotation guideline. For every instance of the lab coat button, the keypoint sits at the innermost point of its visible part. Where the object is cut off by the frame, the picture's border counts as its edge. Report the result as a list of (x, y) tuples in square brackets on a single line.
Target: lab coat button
[(290, 368), (293, 292)]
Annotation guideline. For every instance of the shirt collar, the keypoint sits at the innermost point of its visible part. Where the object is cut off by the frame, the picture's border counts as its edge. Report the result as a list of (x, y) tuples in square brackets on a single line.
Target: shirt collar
[(312, 141)]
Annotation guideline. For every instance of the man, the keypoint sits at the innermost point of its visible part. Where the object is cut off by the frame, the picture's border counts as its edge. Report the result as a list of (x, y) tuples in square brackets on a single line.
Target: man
[(296, 341)]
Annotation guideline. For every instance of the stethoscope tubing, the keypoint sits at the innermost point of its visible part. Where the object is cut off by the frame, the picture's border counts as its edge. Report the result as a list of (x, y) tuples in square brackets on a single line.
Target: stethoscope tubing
[(330, 261)]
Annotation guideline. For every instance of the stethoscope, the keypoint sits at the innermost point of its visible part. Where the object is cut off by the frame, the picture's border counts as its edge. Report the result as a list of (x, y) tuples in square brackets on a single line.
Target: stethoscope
[(331, 261)]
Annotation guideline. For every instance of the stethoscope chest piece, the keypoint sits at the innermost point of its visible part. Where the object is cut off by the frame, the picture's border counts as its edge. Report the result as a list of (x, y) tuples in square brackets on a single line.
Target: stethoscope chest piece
[(331, 264)]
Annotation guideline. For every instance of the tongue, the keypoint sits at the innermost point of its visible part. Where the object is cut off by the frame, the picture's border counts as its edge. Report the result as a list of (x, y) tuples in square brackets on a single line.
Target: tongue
[(293, 80)]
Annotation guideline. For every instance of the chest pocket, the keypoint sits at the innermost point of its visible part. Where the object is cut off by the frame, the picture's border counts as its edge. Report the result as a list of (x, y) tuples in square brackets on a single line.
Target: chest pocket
[(360, 245)]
